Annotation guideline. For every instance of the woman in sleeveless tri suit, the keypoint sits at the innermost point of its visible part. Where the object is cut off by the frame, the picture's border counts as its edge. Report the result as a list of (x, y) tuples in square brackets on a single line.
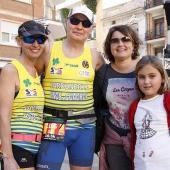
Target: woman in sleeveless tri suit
[(22, 101)]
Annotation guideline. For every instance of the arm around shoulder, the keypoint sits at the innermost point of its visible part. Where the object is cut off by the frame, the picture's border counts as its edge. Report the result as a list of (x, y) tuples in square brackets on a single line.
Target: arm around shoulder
[(97, 59), (43, 60)]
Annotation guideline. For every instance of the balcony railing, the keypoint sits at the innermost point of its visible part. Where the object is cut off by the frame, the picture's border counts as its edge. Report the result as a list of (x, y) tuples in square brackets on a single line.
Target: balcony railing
[(152, 3), (154, 34)]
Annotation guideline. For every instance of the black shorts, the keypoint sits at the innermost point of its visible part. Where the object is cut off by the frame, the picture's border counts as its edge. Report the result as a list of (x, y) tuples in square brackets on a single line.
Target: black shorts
[(23, 157)]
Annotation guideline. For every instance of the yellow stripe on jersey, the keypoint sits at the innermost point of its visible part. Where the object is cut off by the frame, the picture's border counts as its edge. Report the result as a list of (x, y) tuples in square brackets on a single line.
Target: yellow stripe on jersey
[(27, 111), (68, 83)]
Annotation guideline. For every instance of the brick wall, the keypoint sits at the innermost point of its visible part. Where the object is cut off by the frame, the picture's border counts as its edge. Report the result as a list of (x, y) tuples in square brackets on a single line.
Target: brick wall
[(9, 51)]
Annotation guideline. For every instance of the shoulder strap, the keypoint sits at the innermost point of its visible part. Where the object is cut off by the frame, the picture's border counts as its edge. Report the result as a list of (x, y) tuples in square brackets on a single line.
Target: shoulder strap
[(104, 75), (103, 103)]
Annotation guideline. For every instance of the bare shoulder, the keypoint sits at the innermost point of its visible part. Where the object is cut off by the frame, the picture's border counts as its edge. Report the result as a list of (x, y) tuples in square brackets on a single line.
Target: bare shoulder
[(97, 59), (8, 70), (8, 77), (8, 82)]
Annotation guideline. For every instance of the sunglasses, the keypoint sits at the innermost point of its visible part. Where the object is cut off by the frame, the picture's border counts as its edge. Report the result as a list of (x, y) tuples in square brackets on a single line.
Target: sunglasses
[(76, 21), (31, 39), (116, 41)]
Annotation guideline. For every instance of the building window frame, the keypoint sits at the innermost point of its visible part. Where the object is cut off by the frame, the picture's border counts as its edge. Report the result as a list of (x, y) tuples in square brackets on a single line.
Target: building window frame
[(8, 32), (159, 27)]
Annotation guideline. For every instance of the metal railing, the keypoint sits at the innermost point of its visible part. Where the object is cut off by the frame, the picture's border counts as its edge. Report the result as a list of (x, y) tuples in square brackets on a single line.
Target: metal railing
[(152, 3), (154, 34)]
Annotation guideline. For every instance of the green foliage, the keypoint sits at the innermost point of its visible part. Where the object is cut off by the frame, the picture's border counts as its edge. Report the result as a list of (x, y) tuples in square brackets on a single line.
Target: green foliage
[(60, 39), (65, 12), (91, 4)]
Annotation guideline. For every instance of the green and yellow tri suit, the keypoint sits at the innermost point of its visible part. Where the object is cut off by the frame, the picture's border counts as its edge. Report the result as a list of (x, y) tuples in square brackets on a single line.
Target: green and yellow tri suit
[(27, 111), (68, 83)]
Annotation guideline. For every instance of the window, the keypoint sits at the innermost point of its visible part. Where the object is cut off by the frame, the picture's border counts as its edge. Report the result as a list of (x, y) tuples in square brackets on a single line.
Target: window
[(48, 10), (159, 27), (158, 2), (5, 38), (9, 31), (159, 52)]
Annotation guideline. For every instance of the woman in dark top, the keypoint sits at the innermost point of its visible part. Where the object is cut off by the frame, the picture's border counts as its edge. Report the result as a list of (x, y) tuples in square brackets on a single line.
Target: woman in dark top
[(121, 49)]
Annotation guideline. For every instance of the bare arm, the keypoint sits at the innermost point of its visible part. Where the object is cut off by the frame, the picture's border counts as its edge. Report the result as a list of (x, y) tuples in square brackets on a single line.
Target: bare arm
[(41, 62), (8, 78), (97, 59)]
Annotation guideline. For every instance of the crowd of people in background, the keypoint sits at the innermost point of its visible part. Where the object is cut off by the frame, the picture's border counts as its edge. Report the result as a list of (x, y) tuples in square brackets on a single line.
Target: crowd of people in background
[(49, 93)]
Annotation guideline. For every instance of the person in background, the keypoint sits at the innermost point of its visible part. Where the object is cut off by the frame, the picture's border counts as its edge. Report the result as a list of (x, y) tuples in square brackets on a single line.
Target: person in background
[(149, 116), (69, 69), (121, 49), (22, 101)]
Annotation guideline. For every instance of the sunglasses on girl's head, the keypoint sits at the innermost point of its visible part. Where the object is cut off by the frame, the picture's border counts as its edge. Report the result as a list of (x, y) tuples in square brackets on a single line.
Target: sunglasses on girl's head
[(76, 21), (116, 41), (31, 39)]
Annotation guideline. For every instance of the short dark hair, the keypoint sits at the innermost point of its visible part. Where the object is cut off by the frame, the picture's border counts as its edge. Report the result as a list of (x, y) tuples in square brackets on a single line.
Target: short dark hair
[(127, 31), (156, 63)]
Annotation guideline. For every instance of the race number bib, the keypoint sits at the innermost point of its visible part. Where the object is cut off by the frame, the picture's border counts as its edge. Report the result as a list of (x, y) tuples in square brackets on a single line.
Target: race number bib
[(54, 129)]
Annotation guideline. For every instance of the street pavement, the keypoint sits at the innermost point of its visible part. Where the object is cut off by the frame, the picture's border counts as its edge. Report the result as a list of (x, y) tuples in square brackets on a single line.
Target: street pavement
[(65, 165)]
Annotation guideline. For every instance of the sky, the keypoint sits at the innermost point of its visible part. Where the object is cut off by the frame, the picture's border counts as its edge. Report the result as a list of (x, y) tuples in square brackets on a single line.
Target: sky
[(109, 3)]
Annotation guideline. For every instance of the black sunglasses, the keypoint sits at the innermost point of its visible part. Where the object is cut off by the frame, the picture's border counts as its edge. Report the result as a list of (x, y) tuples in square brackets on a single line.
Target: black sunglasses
[(31, 39), (116, 41), (76, 21)]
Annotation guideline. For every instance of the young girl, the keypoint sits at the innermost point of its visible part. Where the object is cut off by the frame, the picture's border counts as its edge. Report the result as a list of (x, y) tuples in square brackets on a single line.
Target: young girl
[(148, 116)]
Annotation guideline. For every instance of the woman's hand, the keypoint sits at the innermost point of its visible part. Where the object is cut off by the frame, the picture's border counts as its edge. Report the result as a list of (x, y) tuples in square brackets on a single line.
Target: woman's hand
[(10, 164)]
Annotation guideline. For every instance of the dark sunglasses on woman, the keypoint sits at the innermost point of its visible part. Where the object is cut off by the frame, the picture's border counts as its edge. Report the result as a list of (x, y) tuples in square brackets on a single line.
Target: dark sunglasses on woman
[(76, 21), (31, 39), (116, 41)]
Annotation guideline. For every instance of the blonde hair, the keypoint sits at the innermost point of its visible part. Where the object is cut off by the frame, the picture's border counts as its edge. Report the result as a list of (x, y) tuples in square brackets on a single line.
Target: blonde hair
[(156, 63)]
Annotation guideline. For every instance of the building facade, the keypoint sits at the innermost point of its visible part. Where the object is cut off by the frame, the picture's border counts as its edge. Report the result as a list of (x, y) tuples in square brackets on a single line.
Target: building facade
[(131, 13), (156, 27), (13, 13), (147, 17)]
